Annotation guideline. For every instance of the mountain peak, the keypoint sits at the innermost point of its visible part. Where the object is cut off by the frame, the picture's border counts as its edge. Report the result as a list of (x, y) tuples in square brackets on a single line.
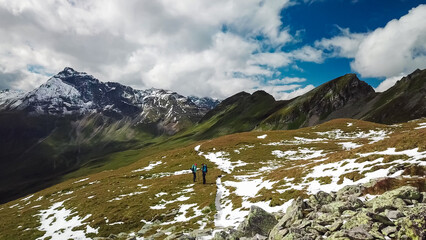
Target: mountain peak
[(69, 72)]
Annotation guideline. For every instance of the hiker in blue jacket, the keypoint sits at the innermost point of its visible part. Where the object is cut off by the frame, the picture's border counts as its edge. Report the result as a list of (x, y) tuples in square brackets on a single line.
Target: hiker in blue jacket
[(204, 170), (194, 171)]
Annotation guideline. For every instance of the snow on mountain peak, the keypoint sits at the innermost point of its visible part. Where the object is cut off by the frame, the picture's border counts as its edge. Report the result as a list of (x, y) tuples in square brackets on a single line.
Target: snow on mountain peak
[(54, 88)]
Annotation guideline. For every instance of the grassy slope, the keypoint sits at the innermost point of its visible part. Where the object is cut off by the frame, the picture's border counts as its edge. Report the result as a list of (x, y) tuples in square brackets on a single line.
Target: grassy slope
[(108, 185), (45, 148)]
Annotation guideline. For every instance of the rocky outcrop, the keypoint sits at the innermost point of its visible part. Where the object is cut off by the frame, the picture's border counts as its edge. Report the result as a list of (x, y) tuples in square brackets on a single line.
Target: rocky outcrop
[(396, 214)]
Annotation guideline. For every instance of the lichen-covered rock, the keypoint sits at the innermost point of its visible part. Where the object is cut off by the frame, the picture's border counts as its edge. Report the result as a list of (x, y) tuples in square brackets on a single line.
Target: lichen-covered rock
[(227, 234), (200, 233), (393, 214), (320, 199), (349, 191), (384, 202), (255, 237), (293, 213), (389, 230), (340, 206), (380, 218), (414, 224), (359, 233), (335, 226), (258, 221)]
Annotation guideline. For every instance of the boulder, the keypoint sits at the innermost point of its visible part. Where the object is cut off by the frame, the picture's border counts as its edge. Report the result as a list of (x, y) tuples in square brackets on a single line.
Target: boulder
[(380, 218), (200, 233), (359, 233), (320, 199), (383, 202), (255, 237), (393, 214), (258, 221), (389, 230), (227, 234), (351, 190), (293, 213)]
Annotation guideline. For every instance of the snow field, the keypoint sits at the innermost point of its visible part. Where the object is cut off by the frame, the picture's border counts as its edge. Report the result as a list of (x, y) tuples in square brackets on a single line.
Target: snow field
[(57, 222)]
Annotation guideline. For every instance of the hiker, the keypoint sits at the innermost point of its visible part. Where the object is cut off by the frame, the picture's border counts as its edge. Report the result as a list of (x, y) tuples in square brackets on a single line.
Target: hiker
[(194, 171), (204, 170)]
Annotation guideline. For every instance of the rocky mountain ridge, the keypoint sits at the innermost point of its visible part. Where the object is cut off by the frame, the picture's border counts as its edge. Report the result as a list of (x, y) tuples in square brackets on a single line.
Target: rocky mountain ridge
[(343, 97), (77, 93)]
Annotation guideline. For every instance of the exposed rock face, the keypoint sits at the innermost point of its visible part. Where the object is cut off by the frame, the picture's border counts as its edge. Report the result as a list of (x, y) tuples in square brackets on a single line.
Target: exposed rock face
[(399, 214)]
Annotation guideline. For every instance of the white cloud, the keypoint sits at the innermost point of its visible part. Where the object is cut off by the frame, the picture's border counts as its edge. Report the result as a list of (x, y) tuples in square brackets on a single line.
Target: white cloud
[(297, 92), (206, 48), (388, 83), (344, 45), (308, 54), (398, 47), (287, 80)]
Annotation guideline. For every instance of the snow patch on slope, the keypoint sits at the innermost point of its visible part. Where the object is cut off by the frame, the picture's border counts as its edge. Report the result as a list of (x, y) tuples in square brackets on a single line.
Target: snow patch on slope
[(58, 223)]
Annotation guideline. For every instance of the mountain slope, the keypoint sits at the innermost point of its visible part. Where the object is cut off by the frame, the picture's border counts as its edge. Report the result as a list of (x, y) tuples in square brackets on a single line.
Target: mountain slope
[(408, 96), (334, 99), (76, 93), (155, 197), (343, 97), (75, 122)]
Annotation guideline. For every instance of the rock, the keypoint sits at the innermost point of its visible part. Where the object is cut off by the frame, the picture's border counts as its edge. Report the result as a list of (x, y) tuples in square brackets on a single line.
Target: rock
[(158, 235), (380, 218), (255, 237), (340, 207), (228, 234), (393, 214), (388, 230), (174, 236), (258, 221), (131, 238), (413, 226), (122, 235), (186, 237), (359, 219), (112, 236), (293, 213), (394, 199), (359, 233), (335, 226), (320, 229), (200, 233), (339, 235), (347, 191), (320, 199), (206, 210), (383, 202)]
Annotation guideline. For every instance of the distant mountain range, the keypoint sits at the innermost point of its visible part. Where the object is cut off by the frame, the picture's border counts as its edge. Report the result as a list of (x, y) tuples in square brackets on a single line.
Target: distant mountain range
[(74, 121), (77, 93), (343, 97)]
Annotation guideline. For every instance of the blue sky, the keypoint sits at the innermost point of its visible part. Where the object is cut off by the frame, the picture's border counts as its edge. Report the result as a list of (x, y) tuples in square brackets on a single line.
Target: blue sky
[(322, 19), (212, 48)]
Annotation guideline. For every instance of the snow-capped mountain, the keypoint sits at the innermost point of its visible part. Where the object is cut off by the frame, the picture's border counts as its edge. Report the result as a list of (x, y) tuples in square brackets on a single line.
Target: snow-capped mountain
[(72, 92)]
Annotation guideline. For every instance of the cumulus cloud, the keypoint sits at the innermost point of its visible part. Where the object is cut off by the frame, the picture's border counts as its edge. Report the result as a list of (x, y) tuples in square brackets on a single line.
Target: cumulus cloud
[(398, 47), (346, 44), (295, 93), (388, 83), (393, 51), (205, 48), (287, 80)]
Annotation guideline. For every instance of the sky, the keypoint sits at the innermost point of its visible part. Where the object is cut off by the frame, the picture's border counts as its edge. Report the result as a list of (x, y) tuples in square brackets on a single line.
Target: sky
[(212, 48)]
